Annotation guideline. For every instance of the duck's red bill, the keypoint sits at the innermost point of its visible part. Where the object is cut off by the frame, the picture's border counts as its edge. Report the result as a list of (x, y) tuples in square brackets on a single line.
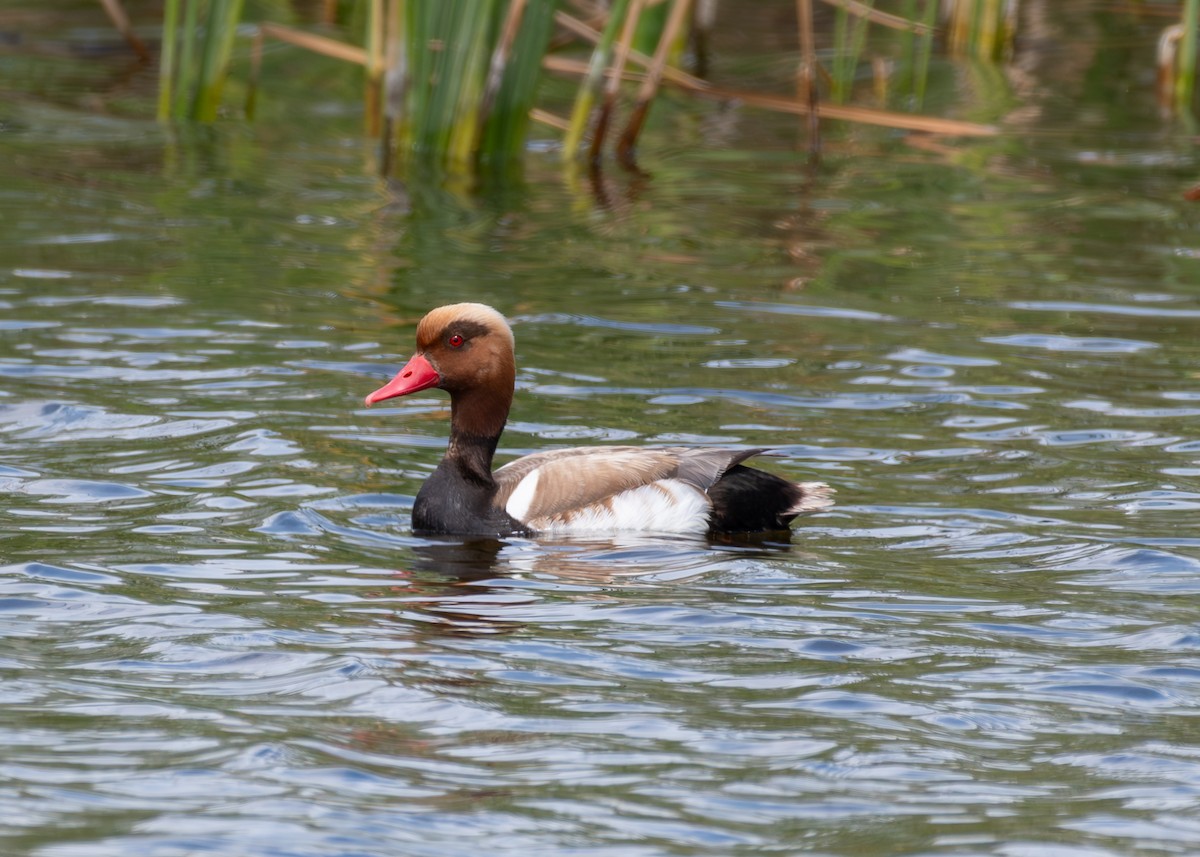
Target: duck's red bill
[(416, 375)]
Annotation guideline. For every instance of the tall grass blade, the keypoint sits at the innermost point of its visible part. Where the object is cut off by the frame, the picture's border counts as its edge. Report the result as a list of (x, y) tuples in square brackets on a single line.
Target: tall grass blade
[(585, 97), (425, 49), (413, 93), (500, 54), (464, 75), (166, 59), (924, 53), (649, 25), (837, 83), (858, 42), (850, 38), (185, 81), (908, 47), (219, 33), (506, 120), (472, 70)]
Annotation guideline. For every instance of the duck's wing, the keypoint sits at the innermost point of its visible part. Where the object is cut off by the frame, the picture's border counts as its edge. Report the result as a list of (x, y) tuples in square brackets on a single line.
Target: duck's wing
[(615, 488)]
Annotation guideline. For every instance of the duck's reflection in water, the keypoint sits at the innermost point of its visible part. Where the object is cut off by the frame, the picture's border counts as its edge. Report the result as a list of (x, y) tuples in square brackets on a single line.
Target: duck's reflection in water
[(472, 585), (462, 620), (462, 560), (593, 561)]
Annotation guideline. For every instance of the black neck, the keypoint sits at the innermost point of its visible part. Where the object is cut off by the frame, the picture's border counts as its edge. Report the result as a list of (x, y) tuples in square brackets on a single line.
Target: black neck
[(477, 418), (459, 497)]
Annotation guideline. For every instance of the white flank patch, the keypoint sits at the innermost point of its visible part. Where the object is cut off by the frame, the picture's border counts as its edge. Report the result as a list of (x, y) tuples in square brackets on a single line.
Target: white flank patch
[(665, 506), (521, 498)]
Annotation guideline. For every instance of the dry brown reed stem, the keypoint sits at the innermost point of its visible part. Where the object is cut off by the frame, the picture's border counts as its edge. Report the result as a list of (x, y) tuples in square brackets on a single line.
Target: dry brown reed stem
[(376, 67), (884, 19), (616, 72), (650, 82), (957, 35), (392, 91), (116, 13), (988, 23), (375, 33), (807, 85), (547, 118), (592, 35), (865, 115), (1168, 48), (582, 29), (703, 88), (561, 40), (316, 44), (1185, 59)]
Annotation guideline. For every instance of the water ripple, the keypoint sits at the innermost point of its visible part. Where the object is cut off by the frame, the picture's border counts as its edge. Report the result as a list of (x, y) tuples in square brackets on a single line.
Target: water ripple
[(1072, 344)]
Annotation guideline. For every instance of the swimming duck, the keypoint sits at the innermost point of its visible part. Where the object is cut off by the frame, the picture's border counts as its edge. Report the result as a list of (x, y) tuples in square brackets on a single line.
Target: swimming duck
[(466, 349)]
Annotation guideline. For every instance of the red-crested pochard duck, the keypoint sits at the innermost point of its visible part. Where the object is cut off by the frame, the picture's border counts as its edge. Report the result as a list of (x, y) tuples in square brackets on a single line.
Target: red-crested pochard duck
[(467, 350)]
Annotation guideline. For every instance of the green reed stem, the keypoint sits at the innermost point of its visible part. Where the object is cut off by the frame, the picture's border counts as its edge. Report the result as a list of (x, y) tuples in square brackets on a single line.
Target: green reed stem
[(219, 32), (473, 67), (464, 82), (507, 122), (838, 65), (924, 53), (185, 78), (850, 38), (166, 59)]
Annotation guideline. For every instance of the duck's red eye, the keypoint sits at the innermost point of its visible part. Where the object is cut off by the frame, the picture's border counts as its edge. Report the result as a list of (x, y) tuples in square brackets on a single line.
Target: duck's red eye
[(455, 341)]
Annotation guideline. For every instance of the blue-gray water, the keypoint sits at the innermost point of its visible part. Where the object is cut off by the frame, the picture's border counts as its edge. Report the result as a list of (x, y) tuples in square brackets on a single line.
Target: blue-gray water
[(221, 638)]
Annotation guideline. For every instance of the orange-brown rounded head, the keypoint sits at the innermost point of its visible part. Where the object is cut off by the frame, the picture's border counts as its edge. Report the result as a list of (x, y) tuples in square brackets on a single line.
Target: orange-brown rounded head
[(465, 349)]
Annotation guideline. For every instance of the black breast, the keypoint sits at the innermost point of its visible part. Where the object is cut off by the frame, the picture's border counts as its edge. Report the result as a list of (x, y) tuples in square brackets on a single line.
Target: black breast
[(451, 503)]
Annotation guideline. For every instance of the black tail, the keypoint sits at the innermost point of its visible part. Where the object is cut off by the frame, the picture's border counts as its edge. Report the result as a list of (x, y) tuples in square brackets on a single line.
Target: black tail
[(746, 500)]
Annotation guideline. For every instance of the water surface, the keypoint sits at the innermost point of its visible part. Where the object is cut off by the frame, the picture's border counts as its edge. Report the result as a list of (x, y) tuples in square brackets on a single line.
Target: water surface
[(221, 636)]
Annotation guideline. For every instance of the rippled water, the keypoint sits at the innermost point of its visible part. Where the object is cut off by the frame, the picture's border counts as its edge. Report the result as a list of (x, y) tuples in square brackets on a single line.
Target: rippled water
[(221, 637)]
